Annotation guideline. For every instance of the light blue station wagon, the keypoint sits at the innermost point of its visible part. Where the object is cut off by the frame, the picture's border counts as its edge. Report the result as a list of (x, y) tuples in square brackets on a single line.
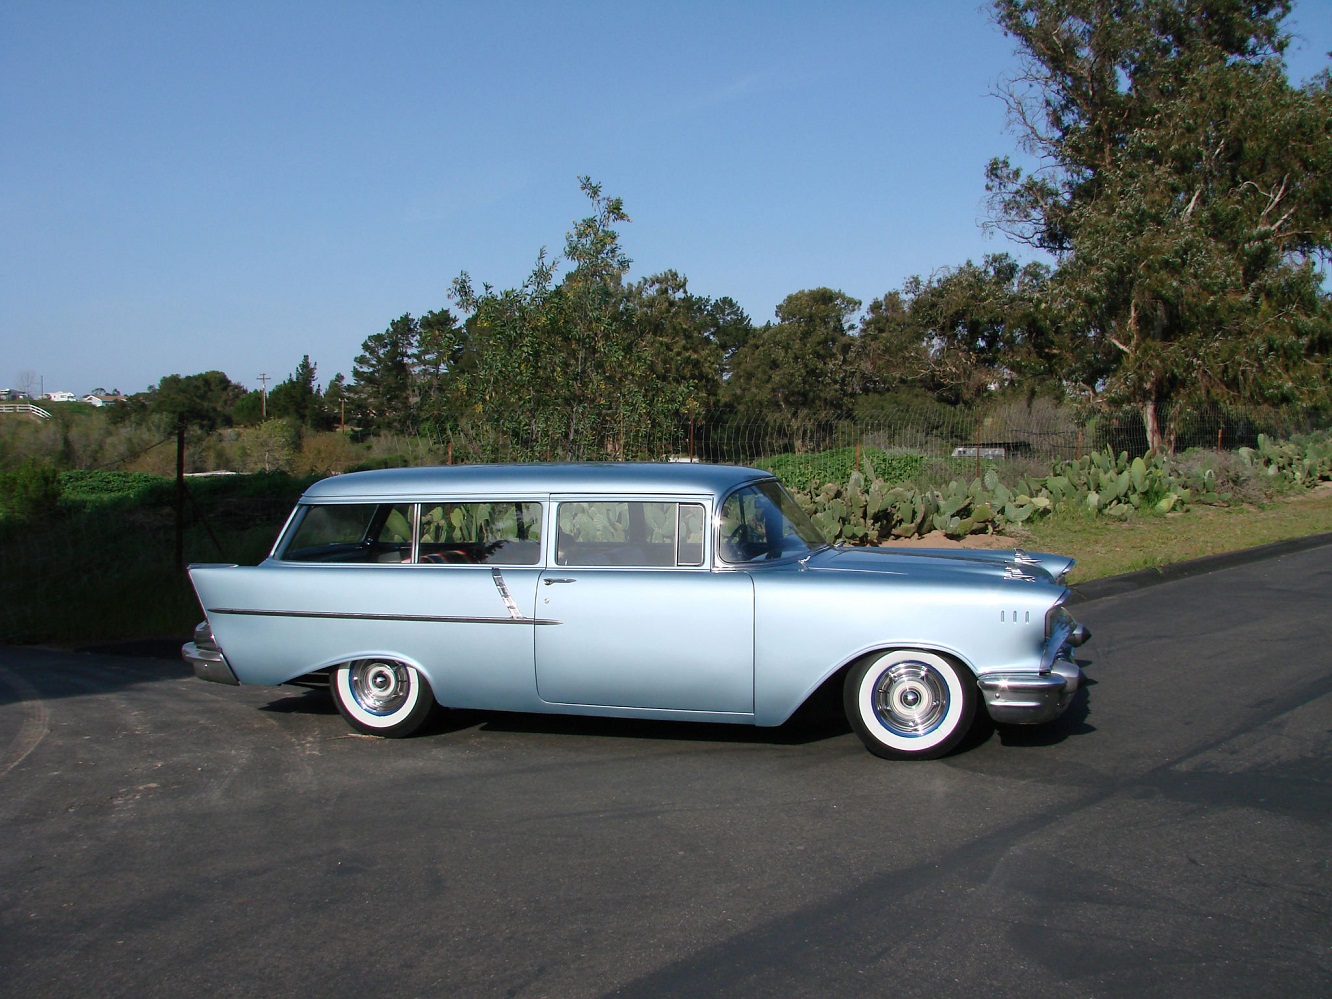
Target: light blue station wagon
[(670, 591)]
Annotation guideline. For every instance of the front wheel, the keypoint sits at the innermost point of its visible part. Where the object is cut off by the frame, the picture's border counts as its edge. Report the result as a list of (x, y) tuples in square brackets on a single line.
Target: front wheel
[(381, 697), (909, 704)]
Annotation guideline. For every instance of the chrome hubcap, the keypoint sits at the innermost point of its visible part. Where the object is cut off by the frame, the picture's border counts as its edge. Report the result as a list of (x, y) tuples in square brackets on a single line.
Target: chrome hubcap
[(910, 698), (380, 688)]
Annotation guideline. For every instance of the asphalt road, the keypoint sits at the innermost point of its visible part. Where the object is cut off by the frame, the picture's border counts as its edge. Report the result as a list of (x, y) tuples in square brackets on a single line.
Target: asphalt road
[(164, 836)]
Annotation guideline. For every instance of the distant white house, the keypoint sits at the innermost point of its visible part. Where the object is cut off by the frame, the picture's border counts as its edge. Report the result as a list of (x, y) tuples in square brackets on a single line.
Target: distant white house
[(100, 398), (60, 396)]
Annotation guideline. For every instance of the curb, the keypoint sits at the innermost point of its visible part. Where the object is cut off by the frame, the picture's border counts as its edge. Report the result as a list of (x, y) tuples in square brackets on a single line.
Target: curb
[(1095, 589)]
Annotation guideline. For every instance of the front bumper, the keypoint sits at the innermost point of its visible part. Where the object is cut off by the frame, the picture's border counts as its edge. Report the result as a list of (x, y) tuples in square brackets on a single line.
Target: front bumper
[(207, 659), (1030, 698)]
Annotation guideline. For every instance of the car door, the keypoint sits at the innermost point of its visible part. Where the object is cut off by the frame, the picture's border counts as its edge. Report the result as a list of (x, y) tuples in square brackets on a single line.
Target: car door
[(636, 617)]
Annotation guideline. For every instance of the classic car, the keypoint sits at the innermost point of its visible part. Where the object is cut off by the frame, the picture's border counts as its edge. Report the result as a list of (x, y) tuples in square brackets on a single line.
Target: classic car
[(669, 591)]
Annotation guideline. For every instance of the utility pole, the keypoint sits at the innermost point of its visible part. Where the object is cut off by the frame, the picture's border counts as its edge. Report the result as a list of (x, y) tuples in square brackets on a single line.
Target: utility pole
[(263, 395)]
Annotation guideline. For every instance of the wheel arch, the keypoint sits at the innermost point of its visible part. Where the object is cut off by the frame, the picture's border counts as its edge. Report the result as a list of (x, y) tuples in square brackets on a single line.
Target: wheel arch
[(346, 658), (835, 677)]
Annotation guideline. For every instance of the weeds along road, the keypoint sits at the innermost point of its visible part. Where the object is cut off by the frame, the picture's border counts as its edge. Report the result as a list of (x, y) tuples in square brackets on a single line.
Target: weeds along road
[(164, 836)]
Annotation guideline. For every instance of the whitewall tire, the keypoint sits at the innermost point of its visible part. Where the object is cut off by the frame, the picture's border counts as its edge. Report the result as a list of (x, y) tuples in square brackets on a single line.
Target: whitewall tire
[(381, 696), (910, 704)]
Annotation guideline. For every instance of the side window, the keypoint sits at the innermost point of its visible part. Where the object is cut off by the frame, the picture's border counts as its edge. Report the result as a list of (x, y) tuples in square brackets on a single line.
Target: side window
[(692, 525), (504, 532), (762, 521), (351, 532), (629, 533)]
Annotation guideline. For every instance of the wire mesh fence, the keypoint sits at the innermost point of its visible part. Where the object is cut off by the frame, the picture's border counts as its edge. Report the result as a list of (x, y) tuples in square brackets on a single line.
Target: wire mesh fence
[(1037, 430), (95, 573)]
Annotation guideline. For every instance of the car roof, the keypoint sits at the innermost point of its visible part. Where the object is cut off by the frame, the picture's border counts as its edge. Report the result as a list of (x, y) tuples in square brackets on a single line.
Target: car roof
[(534, 479)]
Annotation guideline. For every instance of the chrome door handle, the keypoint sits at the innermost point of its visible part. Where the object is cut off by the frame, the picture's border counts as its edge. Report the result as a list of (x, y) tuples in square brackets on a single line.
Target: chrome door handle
[(548, 582)]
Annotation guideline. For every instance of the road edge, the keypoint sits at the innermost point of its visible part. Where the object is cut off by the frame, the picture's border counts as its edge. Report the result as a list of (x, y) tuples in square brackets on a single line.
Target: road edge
[(1108, 586)]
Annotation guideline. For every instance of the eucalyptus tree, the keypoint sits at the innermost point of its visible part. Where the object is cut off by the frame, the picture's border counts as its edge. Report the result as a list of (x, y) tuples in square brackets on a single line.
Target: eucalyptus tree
[(981, 327), (1185, 188)]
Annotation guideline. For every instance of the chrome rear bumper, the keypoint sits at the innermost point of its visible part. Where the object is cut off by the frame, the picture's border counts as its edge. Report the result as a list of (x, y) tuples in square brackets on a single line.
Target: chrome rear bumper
[(209, 664)]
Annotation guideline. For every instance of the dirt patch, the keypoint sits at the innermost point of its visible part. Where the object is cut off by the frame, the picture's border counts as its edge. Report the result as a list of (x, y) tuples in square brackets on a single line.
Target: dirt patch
[(937, 539)]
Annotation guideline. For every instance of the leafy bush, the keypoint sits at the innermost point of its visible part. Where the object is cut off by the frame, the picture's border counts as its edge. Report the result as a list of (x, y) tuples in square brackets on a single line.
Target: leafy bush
[(29, 492), (86, 488)]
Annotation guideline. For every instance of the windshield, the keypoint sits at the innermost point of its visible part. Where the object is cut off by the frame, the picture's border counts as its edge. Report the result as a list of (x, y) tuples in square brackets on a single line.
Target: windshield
[(762, 522)]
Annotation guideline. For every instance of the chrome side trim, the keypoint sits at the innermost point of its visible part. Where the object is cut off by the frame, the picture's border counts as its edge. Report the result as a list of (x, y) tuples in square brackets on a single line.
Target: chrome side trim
[(514, 612), (354, 616)]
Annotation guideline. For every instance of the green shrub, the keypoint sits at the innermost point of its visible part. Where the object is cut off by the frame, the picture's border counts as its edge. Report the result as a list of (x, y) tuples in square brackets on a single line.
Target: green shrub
[(87, 488), (807, 471), (30, 492)]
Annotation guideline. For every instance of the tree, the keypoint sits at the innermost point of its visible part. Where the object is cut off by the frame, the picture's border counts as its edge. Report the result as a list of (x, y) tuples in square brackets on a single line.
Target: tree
[(1186, 191), (335, 396), (681, 337), (981, 327), (299, 399), (382, 395), (204, 400), (270, 446), (587, 366), (800, 363), (440, 342), (890, 350)]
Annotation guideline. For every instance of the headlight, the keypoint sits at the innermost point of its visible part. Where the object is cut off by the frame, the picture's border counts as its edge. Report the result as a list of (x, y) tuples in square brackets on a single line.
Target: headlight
[(1055, 618)]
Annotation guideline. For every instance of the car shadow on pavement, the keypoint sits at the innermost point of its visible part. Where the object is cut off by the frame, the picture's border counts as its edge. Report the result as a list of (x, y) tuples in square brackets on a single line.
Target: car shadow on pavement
[(812, 723), (302, 701), (796, 732), (1074, 721), (818, 720)]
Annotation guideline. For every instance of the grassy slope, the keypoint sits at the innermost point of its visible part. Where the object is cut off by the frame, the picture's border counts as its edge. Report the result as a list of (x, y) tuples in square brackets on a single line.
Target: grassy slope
[(1106, 548)]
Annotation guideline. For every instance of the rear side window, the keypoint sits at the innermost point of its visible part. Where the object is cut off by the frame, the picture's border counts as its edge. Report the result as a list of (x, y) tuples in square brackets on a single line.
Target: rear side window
[(629, 533), (500, 533), (497, 533)]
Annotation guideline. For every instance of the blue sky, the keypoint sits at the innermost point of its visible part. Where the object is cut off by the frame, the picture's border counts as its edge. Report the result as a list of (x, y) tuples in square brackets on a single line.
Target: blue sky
[(191, 186)]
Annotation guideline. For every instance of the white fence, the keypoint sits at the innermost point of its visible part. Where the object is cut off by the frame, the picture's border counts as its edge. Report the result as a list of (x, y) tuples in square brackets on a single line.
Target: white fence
[(25, 409)]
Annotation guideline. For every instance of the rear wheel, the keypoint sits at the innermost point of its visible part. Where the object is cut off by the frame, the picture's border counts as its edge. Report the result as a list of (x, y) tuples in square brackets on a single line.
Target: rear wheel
[(908, 704), (381, 696)]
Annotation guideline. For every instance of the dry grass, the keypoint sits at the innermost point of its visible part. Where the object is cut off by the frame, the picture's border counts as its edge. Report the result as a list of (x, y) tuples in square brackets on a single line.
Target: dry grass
[(1105, 548)]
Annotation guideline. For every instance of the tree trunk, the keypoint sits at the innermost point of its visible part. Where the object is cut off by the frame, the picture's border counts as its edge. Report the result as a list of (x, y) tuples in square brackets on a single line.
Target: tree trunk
[(1160, 431), (1152, 425)]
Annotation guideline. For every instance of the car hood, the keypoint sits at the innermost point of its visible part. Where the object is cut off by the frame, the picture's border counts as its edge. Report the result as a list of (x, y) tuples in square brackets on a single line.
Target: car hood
[(972, 563)]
